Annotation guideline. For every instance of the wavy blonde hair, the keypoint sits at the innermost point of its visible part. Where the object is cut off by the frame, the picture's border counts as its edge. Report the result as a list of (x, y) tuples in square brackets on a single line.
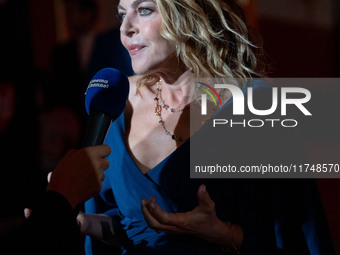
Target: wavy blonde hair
[(211, 38)]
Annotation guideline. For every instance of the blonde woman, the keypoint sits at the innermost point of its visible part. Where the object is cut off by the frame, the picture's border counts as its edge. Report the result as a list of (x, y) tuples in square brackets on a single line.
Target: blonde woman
[(152, 204)]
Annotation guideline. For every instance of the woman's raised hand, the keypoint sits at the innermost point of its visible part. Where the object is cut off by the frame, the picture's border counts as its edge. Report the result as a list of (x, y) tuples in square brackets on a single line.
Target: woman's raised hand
[(201, 222)]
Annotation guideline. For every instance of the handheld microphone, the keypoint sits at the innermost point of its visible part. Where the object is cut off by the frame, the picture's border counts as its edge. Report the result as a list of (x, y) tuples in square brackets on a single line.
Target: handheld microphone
[(105, 100)]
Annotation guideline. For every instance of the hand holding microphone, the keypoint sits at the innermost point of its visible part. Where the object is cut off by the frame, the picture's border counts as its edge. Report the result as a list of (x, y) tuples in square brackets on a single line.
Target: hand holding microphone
[(52, 226), (80, 173)]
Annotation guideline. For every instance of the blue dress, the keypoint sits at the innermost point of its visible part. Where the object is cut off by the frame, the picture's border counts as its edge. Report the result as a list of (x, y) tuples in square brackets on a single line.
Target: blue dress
[(277, 216)]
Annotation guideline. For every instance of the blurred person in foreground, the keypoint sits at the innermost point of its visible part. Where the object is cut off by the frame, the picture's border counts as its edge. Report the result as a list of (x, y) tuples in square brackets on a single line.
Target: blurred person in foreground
[(51, 226)]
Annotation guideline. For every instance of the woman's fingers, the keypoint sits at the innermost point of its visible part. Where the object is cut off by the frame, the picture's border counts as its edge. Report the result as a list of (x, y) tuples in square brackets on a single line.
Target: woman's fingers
[(158, 219), (27, 212), (204, 200), (49, 175), (152, 222), (180, 223)]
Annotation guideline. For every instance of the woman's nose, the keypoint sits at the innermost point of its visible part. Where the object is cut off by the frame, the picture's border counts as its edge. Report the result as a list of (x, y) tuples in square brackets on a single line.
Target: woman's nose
[(128, 27)]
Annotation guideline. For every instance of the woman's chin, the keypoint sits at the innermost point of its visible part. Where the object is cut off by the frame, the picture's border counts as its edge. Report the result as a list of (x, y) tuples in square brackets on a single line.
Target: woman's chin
[(141, 70)]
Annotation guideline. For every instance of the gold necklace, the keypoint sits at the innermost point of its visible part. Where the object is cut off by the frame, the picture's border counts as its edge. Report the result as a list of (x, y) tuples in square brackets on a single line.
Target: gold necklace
[(159, 106)]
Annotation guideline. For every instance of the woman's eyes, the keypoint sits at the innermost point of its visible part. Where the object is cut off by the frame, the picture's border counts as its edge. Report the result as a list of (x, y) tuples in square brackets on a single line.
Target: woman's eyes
[(142, 11)]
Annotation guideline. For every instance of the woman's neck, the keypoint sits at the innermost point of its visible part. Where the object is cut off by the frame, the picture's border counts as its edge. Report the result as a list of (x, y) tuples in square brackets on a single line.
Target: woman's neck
[(177, 91)]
